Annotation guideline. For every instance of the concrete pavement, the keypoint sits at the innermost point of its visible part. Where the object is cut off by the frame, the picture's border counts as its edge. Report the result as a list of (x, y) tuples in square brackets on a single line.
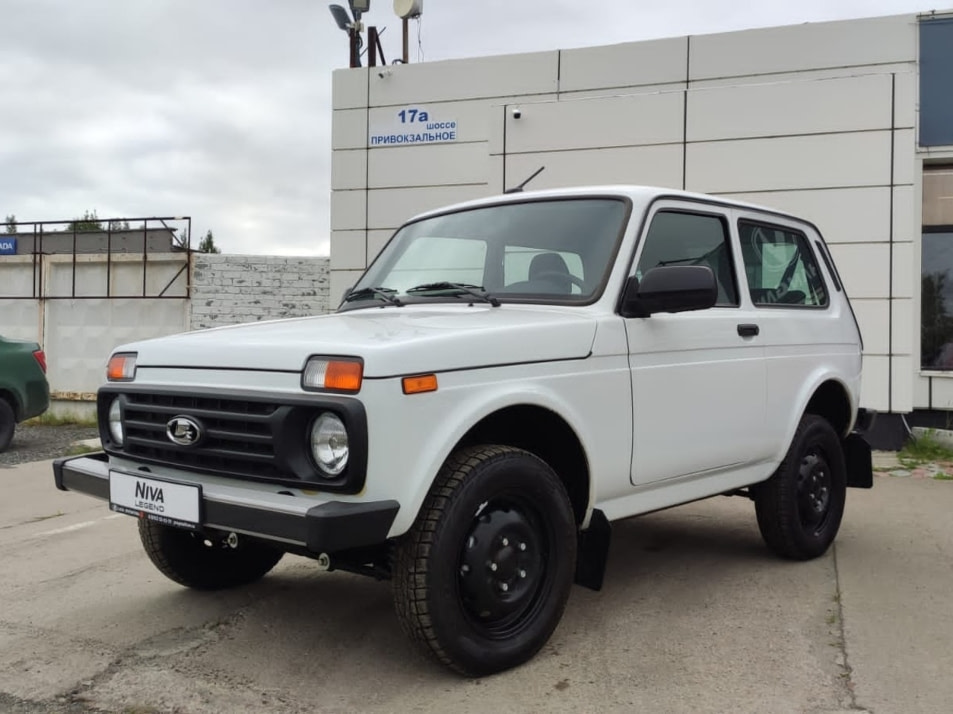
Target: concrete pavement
[(695, 616)]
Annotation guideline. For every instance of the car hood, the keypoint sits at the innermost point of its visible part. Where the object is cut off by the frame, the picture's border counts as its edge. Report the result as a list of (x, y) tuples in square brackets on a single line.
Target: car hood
[(391, 340)]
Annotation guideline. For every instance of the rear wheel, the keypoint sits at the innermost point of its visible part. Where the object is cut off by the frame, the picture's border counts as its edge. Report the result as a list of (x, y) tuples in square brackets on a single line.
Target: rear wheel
[(8, 424), (482, 577), (193, 560), (800, 507)]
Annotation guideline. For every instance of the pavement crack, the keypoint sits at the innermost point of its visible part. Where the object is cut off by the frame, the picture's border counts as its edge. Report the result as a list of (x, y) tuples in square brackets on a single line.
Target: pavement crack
[(843, 660)]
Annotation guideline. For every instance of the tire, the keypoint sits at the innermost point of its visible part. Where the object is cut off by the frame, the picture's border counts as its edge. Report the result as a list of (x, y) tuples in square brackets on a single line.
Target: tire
[(800, 507), (8, 424), (482, 577), (186, 558)]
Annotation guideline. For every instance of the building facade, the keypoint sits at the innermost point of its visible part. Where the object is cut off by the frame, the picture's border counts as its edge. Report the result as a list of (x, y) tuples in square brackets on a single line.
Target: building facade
[(849, 124)]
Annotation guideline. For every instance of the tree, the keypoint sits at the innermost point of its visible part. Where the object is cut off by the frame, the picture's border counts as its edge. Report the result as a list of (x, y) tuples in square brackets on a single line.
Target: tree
[(11, 222), (207, 244), (87, 224), (119, 225)]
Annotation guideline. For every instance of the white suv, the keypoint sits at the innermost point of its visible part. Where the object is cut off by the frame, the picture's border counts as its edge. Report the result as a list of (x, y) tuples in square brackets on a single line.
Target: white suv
[(508, 377)]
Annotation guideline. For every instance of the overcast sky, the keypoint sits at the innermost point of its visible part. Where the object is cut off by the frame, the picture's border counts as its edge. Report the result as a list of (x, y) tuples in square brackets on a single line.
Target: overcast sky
[(220, 109)]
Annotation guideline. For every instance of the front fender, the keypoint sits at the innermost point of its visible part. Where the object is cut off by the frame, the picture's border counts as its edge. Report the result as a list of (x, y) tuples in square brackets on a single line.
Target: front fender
[(594, 403)]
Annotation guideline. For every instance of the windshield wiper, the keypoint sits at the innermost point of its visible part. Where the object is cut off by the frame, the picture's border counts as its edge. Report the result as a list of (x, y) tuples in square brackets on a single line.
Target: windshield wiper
[(385, 294), (477, 291)]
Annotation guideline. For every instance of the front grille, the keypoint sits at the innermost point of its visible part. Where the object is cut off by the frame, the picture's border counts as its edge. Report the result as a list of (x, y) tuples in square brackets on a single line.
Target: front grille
[(237, 439), (244, 434)]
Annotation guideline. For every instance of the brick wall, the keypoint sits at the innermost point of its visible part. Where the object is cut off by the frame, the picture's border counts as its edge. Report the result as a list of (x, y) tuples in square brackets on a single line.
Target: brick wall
[(230, 289)]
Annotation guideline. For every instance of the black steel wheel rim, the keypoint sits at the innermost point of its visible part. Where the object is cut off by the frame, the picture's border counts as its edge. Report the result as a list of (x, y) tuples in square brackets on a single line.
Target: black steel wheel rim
[(814, 491), (504, 571)]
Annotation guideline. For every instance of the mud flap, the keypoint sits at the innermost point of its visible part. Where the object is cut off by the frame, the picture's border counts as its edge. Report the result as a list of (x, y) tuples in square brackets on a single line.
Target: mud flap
[(860, 468), (593, 552)]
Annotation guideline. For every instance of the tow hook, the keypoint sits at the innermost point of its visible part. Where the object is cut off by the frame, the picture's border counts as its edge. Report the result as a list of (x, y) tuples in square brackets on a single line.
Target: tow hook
[(232, 540)]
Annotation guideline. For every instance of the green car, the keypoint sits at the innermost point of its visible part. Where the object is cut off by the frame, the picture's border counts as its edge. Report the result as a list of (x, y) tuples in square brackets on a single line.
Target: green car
[(24, 391)]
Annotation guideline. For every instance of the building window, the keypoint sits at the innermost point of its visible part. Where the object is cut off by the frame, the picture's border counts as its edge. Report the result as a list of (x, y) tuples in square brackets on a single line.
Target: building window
[(936, 270), (936, 81)]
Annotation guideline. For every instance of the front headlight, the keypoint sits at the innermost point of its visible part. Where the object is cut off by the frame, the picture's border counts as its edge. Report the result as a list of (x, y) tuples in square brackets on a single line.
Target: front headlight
[(329, 444), (115, 422)]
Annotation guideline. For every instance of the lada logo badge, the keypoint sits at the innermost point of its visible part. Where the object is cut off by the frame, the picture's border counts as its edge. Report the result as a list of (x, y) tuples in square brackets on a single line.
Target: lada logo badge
[(183, 431)]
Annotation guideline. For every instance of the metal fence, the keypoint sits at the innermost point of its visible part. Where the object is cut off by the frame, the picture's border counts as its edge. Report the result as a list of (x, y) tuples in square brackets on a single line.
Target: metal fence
[(91, 252)]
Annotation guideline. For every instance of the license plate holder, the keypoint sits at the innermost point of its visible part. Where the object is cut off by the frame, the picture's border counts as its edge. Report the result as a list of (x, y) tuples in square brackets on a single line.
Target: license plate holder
[(167, 502)]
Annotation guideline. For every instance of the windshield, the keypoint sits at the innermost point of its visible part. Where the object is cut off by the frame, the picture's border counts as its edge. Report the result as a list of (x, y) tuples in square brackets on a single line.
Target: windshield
[(536, 251)]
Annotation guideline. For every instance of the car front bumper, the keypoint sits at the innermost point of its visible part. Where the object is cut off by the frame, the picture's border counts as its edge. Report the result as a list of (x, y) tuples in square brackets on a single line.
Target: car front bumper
[(329, 527)]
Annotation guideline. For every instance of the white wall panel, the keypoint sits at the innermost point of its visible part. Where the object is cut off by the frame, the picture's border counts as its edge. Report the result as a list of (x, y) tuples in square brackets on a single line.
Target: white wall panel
[(874, 383), (80, 335), (20, 320), (822, 161), (905, 100), (626, 65), (805, 75), (906, 213), (865, 268), (622, 91), (921, 392), (632, 120), (348, 169), (903, 374), (376, 240), (904, 321), (648, 165), (390, 208), (88, 276), (906, 276), (348, 210), (904, 157), (341, 280), (872, 316), (803, 47), (832, 105), (842, 215), (17, 276), (434, 165), (348, 129), (348, 250), (349, 88), (943, 392), (501, 76)]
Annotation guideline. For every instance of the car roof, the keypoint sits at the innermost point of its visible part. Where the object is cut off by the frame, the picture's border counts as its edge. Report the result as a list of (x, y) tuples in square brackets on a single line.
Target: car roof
[(637, 194)]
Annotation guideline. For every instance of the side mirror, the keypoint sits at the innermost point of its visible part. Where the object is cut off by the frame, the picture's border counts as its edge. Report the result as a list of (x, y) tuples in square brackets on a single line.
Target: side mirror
[(670, 288)]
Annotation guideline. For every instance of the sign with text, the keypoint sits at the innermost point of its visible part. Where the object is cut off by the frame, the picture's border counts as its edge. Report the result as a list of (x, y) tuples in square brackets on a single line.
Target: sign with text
[(8, 246), (412, 125)]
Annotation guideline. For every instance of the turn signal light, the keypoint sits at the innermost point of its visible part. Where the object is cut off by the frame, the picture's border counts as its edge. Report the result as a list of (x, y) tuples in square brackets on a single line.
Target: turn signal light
[(121, 367), (419, 384), (344, 376), (338, 375)]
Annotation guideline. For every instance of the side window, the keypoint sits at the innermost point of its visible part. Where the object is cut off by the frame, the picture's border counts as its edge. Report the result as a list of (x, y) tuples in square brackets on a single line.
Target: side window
[(677, 238), (780, 266)]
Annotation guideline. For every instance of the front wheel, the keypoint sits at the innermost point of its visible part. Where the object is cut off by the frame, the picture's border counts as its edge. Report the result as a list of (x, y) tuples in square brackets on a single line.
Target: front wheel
[(482, 578), (800, 507), (193, 560)]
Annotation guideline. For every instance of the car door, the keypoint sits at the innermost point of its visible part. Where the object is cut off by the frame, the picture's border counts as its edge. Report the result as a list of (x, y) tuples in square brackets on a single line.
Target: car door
[(698, 378), (801, 330)]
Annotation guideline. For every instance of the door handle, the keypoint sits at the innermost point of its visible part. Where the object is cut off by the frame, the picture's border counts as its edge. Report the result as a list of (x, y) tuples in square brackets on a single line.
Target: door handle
[(748, 330)]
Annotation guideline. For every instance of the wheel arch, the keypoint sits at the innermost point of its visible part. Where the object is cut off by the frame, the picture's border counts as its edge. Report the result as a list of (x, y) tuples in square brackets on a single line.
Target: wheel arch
[(831, 401), (546, 434), (11, 398)]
